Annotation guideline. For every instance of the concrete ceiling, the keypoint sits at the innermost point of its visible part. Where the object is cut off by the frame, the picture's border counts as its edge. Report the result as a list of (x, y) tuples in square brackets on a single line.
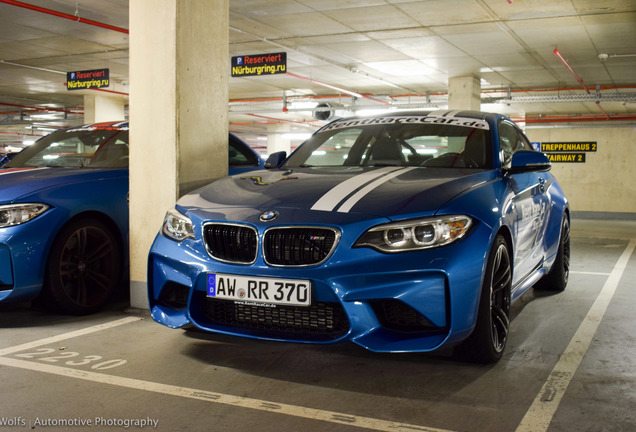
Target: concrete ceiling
[(394, 52)]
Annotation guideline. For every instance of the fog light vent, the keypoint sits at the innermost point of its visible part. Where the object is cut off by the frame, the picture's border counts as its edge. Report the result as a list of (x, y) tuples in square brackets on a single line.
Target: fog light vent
[(174, 295), (396, 315)]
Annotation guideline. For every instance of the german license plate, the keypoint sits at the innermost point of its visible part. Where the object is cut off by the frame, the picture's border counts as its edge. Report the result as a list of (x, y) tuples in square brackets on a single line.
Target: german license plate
[(290, 292)]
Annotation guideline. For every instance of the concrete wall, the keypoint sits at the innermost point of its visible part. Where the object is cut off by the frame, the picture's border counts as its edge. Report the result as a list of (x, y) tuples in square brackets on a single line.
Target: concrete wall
[(606, 182)]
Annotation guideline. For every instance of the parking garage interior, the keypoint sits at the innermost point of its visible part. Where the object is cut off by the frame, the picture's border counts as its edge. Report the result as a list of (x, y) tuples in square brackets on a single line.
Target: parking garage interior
[(563, 70)]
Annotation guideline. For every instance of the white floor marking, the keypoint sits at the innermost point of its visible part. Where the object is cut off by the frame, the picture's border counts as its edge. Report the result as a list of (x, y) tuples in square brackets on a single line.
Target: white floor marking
[(70, 335), (220, 398), (537, 418), (541, 412), (590, 273), (203, 395)]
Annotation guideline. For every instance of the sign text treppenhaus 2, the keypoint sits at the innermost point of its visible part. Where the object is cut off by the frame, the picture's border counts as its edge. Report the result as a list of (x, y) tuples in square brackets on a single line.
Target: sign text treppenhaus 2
[(569, 152)]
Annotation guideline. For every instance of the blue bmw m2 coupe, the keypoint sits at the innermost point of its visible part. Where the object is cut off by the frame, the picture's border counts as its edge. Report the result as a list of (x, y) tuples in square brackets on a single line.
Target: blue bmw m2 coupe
[(401, 232)]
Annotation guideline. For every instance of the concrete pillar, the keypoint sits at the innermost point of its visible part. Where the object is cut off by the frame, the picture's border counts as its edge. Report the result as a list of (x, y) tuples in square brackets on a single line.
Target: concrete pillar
[(179, 70), (276, 139), (464, 93), (101, 108)]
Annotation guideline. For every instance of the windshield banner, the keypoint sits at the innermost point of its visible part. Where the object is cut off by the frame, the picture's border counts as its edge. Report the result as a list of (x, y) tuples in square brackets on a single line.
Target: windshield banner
[(388, 120)]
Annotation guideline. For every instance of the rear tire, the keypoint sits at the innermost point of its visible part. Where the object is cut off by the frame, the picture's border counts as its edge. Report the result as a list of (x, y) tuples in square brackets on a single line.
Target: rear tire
[(487, 342), (84, 267), (557, 279)]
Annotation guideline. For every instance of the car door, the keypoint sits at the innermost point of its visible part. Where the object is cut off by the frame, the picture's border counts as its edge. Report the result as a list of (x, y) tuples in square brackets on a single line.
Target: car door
[(530, 203)]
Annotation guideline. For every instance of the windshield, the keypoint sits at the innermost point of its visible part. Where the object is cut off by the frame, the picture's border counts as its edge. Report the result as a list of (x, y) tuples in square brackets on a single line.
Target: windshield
[(400, 141), (77, 148)]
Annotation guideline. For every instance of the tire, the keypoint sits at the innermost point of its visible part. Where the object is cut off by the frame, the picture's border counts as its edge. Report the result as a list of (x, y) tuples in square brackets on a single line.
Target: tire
[(84, 267), (557, 278), (488, 340)]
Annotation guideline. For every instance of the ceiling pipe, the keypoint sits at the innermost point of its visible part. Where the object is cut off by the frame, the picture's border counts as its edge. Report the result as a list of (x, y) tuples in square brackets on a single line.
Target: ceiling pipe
[(277, 120), (441, 93), (314, 56), (603, 56), (31, 67), (43, 109), (577, 119), (569, 68), (332, 87), (75, 17), (578, 79)]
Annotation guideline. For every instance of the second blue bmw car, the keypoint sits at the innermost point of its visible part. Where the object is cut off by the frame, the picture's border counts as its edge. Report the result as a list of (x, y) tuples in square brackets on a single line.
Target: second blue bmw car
[(64, 216)]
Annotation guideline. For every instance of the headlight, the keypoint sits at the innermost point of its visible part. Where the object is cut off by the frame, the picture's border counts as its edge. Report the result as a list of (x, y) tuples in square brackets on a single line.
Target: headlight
[(177, 226), (415, 235), (16, 214)]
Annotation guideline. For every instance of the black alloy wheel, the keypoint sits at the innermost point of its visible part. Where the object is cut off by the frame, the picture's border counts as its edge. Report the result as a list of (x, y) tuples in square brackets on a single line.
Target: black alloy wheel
[(500, 283), (487, 342), (84, 267)]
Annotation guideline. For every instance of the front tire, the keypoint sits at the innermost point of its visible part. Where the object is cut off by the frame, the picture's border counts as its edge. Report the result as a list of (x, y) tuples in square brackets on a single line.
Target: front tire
[(487, 342), (84, 267)]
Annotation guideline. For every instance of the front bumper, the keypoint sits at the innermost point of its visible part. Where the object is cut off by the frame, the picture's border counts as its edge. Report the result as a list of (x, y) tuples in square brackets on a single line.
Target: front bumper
[(23, 252), (413, 301)]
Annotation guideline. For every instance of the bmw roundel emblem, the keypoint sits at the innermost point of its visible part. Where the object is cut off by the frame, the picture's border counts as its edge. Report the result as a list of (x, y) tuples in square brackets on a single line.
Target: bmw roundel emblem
[(268, 216)]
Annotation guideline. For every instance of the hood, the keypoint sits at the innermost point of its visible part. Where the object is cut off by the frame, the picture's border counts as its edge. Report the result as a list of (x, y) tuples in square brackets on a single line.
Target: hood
[(392, 192), (21, 182)]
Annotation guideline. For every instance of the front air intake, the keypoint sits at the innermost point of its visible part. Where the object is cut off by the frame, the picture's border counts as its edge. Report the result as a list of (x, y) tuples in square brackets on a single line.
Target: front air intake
[(298, 246), (231, 242)]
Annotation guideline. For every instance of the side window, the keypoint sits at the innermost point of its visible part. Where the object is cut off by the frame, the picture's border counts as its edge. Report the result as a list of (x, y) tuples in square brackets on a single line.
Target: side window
[(523, 143), (510, 140), (113, 153), (239, 155)]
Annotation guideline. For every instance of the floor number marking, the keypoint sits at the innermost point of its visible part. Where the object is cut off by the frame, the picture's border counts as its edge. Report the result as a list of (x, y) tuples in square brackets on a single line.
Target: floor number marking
[(81, 361)]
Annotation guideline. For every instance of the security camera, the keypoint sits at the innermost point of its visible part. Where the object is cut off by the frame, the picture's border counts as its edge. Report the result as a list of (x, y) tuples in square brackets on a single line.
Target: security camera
[(603, 57)]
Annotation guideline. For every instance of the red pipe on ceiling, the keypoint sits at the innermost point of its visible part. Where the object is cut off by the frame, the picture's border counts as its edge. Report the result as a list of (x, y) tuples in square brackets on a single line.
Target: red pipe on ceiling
[(42, 109), (64, 15), (578, 79), (569, 68)]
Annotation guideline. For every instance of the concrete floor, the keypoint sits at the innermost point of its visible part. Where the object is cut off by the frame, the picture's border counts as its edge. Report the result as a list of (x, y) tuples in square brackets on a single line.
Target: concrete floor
[(570, 365)]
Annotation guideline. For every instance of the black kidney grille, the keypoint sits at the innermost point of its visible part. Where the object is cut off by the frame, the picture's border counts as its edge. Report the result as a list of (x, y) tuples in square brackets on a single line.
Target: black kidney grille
[(319, 322), (233, 243), (298, 246)]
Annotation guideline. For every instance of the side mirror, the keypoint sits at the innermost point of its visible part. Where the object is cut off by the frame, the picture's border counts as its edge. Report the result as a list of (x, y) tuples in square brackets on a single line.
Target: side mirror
[(275, 160), (529, 160)]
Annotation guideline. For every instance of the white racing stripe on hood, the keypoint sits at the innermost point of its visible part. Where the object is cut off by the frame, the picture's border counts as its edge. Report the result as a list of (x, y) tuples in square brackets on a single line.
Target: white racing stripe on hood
[(13, 170), (344, 208), (335, 195)]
